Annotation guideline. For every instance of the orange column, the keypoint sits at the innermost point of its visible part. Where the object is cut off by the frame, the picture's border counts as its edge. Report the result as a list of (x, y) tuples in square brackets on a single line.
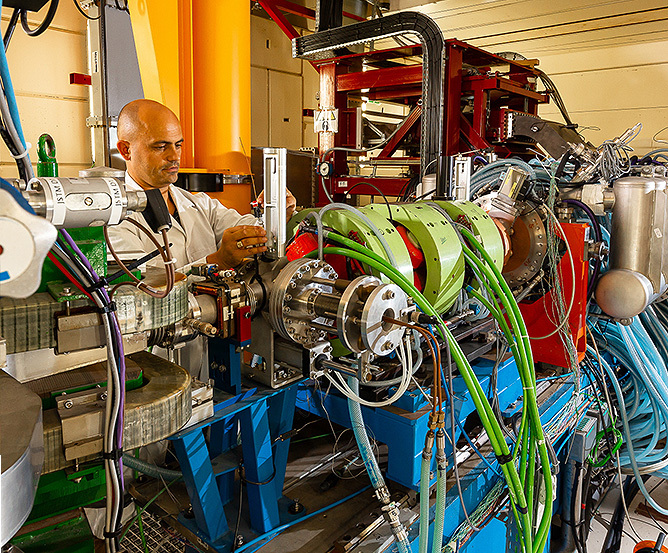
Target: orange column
[(221, 85)]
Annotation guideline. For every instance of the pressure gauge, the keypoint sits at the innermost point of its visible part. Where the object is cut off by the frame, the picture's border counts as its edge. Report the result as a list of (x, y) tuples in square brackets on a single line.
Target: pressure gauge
[(325, 169)]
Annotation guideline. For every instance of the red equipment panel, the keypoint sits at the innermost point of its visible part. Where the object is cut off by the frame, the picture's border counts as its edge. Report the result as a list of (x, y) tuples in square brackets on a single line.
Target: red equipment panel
[(540, 316)]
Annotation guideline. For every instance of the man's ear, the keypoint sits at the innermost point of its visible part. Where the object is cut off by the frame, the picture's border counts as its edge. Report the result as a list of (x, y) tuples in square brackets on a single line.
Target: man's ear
[(124, 149)]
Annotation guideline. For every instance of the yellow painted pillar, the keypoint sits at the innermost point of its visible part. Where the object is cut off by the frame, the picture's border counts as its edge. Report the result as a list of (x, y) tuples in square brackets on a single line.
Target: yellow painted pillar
[(221, 85), (154, 25)]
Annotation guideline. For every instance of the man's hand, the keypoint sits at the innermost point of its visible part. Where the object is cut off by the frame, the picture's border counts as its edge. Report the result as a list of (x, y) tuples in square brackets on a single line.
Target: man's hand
[(290, 203), (238, 243)]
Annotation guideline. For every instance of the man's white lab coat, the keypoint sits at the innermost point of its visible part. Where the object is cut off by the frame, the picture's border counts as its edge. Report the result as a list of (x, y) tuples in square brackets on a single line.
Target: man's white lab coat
[(203, 221)]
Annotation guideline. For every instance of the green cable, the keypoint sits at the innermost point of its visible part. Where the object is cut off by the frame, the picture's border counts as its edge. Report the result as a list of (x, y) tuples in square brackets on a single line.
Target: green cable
[(516, 347), (518, 352), (478, 397), (534, 415), (531, 408), (531, 475), (523, 356), (526, 449), (141, 529), (148, 504)]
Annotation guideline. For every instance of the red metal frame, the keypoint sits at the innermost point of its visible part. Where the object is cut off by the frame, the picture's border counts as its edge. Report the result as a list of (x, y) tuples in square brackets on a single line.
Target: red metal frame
[(494, 85), (380, 78), (273, 8), (401, 132)]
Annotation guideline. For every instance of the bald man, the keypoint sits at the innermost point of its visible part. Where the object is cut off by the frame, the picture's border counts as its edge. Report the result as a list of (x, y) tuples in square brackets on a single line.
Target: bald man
[(150, 140)]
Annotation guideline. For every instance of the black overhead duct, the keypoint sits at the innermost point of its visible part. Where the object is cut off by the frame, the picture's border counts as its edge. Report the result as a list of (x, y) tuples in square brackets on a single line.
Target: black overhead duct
[(328, 14), (321, 45)]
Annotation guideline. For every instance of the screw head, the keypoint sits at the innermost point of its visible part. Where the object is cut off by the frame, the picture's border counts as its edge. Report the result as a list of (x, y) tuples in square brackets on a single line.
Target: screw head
[(88, 201), (388, 295), (68, 404)]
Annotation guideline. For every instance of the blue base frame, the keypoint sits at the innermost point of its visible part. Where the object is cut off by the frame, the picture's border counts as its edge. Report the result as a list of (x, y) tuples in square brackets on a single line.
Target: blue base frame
[(209, 465)]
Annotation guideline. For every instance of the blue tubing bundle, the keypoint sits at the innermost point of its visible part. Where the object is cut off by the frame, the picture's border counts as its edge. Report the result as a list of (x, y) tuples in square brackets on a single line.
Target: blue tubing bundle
[(636, 362)]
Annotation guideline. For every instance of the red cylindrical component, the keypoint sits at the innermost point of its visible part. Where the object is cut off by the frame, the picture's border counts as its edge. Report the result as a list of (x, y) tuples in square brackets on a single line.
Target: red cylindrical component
[(303, 244)]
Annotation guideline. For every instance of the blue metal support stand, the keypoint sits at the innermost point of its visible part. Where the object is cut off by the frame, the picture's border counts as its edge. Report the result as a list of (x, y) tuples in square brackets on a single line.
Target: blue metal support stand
[(264, 418)]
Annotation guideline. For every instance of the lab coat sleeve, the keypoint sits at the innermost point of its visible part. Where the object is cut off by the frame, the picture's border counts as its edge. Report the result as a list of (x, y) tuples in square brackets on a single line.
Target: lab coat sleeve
[(221, 218)]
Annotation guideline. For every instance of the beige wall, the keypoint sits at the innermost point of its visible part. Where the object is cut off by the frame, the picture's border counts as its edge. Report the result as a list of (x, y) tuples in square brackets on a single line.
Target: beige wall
[(40, 68), (281, 87), (609, 58)]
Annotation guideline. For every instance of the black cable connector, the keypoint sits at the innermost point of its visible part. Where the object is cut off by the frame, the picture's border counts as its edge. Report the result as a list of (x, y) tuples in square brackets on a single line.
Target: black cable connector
[(287, 435), (504, 459), (156, 213), (425, 319)]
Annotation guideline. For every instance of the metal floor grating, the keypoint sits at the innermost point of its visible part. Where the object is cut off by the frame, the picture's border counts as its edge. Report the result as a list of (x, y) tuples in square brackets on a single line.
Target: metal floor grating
[(158, 539)]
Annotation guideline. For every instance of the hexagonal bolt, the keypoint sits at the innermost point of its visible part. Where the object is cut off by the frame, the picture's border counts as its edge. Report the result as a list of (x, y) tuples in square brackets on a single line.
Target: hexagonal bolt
[(387, 346)]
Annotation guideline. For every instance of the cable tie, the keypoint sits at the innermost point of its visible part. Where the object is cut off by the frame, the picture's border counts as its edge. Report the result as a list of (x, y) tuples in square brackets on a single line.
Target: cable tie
[(522, 510), (109, 308), (25, 152), (114, 534), (114, 455), (504, 459), (97, 285), (172, 261)]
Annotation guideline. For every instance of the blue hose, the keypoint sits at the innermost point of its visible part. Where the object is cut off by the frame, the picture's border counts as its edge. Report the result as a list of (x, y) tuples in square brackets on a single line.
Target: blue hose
[(4, 185), (9, 92), (273, 533), (642, 393), (372, 468), (425, 480)]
